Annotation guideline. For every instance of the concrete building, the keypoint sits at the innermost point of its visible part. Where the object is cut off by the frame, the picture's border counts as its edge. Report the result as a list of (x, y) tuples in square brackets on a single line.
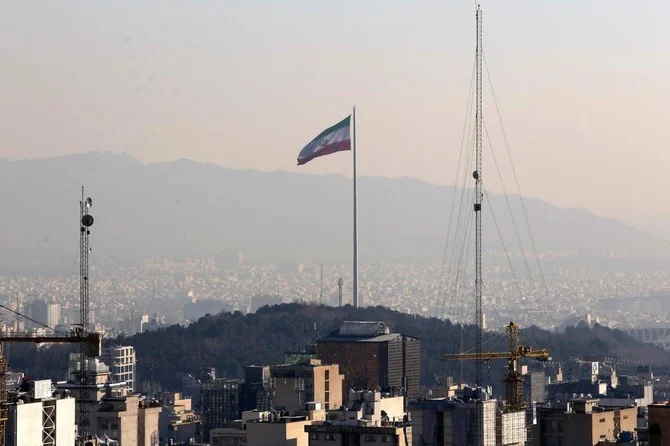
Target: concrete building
[(370, 417), (37, 310), (177, 421), (228, 436), (112, 410), (127, 419), (295, 385), (220, 404), (582, 421), (659, 423), (372, 357), (454, 422), (257, 388), (122, 364), (39, 417), (278, 431), (534, 386)]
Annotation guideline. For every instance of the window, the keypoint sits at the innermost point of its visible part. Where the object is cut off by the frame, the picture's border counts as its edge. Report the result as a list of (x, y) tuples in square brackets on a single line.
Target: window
[(327, 374), (370, 439), (327, 386), (602, 420), (314, 436), (330, 437), (386, 438)]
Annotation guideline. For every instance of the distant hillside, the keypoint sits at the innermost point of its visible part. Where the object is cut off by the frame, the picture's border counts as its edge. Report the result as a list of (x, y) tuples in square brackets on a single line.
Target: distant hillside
[(229, 341), (183, 208)]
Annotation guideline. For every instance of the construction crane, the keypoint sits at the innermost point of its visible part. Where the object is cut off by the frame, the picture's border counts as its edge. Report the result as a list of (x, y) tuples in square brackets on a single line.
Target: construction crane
[(513, 379)]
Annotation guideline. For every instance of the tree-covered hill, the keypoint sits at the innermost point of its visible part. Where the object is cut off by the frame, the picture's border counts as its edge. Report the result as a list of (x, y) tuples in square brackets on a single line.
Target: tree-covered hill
[(229, 341)]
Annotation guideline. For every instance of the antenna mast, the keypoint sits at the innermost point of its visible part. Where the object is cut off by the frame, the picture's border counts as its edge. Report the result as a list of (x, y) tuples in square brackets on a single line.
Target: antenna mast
[(477, 174), (85, 223)]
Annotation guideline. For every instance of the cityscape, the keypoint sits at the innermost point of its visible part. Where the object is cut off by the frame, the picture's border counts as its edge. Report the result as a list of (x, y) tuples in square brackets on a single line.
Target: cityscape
[(303, 224)]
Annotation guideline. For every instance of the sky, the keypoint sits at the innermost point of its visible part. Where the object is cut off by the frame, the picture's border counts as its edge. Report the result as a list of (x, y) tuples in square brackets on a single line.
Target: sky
[(582, 87)]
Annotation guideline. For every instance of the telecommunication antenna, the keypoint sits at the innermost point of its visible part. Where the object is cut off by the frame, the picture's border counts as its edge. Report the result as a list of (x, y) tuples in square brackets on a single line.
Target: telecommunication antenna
[(85, 223), (340, 283), (477, 174)]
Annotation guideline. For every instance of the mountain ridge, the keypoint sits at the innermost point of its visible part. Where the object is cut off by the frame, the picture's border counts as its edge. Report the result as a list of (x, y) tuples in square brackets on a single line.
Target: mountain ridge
[(186, 208)]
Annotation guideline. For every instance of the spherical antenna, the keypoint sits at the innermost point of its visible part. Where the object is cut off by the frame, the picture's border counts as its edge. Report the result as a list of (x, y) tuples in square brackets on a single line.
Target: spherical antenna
[(87, 220)]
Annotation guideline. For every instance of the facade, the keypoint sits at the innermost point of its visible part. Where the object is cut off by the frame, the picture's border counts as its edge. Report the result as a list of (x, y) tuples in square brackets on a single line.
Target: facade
[(127, 419), (470, 419), (278, 431), (345, 435), (372, 357), (659, 423), (122, 364), (177, 421), (220, 404), (295, 385), (41, 419), (534, 387), (257, 388), (582, 421), (228, 436), (37, 310)]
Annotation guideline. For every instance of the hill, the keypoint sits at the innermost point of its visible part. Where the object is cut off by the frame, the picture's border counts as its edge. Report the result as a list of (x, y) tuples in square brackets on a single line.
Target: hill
[(229, 341), (182, 209)]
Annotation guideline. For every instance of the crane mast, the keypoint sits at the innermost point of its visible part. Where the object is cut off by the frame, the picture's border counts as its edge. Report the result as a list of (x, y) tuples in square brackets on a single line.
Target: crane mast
[(477, 174), (513, 378)]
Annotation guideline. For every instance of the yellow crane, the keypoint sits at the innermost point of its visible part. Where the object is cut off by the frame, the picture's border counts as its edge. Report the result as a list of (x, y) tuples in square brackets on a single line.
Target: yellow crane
[(92, 340), (513, 379)]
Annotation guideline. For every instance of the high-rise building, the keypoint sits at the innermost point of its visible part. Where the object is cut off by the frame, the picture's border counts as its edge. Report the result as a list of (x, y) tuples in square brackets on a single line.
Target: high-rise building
[(295, 385), (220, 404), (37, 310), (122, 364), (257, 388), (372, 357), (659, 423), (457, 422), (53, 314)]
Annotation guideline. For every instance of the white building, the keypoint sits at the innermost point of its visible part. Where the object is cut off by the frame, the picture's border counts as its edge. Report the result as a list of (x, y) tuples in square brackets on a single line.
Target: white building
[(40, 419), (122, 364)]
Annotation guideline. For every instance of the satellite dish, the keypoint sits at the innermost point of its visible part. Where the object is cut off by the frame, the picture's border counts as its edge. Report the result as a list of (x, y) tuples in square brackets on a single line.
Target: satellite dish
[(89, 202), (87, 220)]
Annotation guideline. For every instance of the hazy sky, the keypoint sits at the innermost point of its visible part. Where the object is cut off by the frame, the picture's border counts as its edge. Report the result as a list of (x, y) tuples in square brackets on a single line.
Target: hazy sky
[(583, 87)]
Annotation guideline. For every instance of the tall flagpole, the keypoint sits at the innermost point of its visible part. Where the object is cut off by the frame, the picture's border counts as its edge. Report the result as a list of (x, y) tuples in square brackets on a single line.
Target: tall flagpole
[(355, 291)]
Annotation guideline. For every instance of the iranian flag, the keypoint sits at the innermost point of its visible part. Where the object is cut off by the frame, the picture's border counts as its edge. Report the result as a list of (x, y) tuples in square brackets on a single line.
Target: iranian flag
[(334, 139)]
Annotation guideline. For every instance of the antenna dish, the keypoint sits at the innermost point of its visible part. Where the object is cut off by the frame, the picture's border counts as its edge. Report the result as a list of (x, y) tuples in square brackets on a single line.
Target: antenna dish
[(89, 202), (87, 220)]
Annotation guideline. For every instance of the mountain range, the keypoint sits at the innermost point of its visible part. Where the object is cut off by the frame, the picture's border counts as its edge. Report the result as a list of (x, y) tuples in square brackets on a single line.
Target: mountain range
[(184, 209)]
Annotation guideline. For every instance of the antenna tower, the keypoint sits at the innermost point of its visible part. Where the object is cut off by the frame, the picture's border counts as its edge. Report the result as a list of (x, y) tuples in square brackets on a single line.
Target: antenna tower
[(85, 223), (477, 174), (340, 283)]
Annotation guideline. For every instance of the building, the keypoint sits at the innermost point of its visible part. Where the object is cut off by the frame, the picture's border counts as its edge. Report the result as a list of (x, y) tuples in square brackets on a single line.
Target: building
[(220, 404), (370, 417), (582, 421), (659, 423), (257, 388), (371, 357), (295, 385), (112, 410), (128, 419), (177, 421), (228, 436), (455, 421), (39, 417), (37, 310), (278, 431), (534, 387), (122, 364)]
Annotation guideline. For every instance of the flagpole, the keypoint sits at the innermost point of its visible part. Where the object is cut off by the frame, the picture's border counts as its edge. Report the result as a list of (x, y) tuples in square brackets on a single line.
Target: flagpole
[(355, 289)]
